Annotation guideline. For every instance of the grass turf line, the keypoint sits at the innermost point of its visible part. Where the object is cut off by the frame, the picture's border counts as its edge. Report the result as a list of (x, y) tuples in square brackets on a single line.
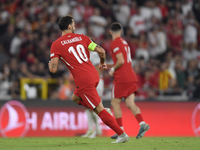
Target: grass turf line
[(100, 143)]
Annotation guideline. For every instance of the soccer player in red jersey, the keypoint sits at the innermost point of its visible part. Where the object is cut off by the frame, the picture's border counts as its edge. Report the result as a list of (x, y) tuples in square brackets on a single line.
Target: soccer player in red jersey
[(73, 50), (125, 80)]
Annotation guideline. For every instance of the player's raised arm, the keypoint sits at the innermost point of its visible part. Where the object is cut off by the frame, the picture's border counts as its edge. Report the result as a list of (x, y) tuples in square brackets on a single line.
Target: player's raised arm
[(102, 55), (53, 64)]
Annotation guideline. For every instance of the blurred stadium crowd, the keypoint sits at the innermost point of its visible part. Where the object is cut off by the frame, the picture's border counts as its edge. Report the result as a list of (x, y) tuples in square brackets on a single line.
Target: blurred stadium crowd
[(164, 37)]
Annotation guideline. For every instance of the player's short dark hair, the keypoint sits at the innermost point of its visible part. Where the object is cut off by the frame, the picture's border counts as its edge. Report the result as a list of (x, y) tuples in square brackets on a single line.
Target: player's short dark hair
[(116, 26), (64, 22)]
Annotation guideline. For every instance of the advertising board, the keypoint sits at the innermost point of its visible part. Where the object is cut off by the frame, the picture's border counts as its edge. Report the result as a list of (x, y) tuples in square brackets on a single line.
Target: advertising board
[(164, 118)]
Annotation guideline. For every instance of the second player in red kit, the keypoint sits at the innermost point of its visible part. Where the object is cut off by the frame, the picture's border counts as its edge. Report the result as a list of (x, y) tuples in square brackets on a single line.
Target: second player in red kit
[(124, 76), (125, 80)]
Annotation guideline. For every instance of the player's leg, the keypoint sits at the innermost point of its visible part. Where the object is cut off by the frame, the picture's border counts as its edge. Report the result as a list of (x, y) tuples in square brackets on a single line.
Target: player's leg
[(90, 97), (107, 118), (100, 89), (130, 103), (115, 103), (110, 121), (88, 112), (78, 100)]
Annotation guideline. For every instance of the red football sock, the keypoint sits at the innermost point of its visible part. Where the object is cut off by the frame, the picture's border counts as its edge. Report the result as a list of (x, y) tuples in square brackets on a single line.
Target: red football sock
[(139, 118), (83, 104), (110, 121), (119, 121)]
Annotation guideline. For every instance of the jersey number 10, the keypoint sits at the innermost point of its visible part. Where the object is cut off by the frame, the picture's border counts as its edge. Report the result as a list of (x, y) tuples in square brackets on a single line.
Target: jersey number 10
[(81, 56)]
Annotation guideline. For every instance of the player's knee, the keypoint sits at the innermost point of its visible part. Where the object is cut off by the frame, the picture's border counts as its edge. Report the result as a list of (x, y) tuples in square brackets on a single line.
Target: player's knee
[(114, 103), (99, 108), (73, 98), (76, 99), (130, 104)]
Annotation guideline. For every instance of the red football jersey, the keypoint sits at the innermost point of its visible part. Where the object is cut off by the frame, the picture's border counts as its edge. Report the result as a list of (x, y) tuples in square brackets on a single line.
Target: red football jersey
[(73, 50), (125, 73)]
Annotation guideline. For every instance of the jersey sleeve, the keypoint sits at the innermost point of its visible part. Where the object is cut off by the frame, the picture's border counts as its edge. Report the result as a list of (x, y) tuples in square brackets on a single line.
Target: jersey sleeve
[(115, 48), (54, 51)]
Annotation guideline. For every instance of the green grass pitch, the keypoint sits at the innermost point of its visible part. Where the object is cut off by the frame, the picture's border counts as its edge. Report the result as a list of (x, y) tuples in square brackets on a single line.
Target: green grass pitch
[(99, 143)]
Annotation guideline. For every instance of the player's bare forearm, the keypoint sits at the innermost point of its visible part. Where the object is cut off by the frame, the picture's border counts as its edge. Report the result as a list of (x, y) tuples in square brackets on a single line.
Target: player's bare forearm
[(101, 53), (120, 61), (117, 65), (102, 56), (102, 60), (53, 65)]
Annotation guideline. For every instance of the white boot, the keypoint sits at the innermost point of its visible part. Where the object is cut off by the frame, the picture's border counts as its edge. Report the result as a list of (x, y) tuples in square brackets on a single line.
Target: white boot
[(87, 134), (93, 135), (122, 138)]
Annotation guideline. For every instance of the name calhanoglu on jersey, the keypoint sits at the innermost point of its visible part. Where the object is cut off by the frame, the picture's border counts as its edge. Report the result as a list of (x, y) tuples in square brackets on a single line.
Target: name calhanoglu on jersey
[(71, 40)]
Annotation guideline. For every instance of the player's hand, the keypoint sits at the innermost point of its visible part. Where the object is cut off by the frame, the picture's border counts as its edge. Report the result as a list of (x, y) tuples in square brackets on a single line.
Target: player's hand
[(111, 73), (109, 66), (102, 66)]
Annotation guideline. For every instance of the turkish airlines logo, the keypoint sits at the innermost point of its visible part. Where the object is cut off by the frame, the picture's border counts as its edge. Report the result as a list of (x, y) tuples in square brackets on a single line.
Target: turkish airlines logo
[(13, 119), (196, 120)]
